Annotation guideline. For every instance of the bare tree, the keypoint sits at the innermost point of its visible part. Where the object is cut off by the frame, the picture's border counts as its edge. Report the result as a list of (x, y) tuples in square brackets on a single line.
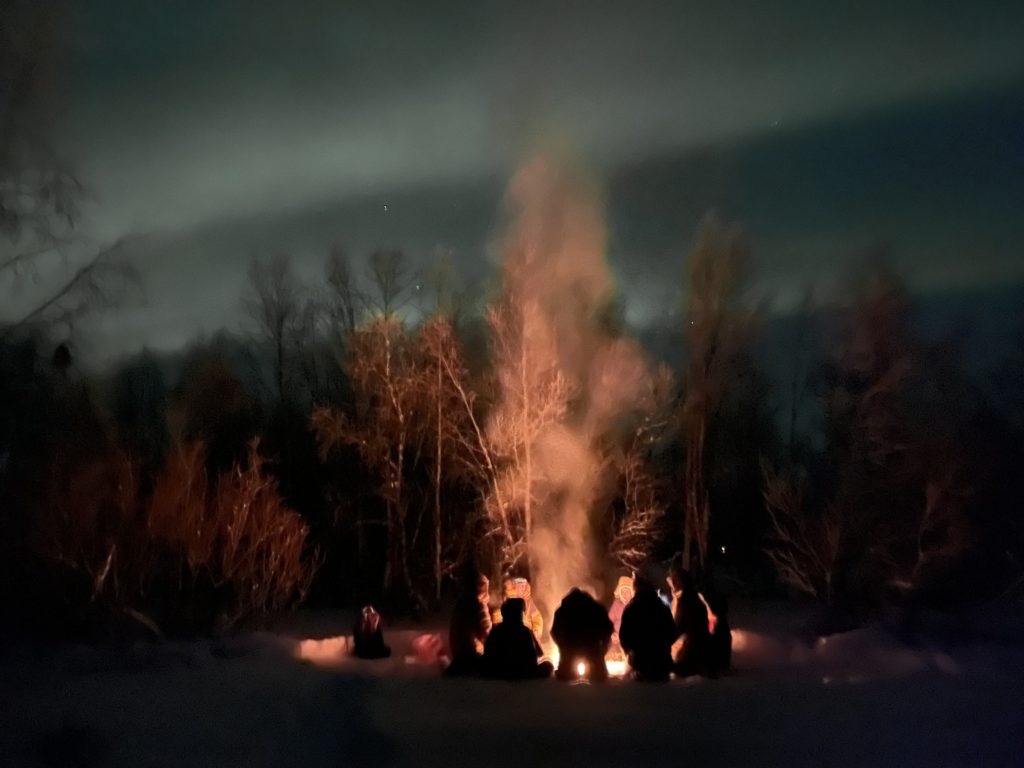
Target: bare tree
[(800, 366), (344, 301), (445, 387), (894, 503), (274, 301), (716, 331), (642, 491), (535, 397), (383, 426), (439, 290), (39, 193), (457, 445), (805, 543), (392, 283), (231, 530), (643, 513), (470, 445)]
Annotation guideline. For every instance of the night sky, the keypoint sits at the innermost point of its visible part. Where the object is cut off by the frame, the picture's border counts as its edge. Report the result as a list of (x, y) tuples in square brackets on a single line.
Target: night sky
[(218, 130)]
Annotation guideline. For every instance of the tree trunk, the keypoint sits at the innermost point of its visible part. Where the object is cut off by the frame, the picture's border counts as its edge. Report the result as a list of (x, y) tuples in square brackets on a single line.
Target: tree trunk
[(697, 513), (280, 364), (389, 562), (437, 497), (403, 553), (527, 449)]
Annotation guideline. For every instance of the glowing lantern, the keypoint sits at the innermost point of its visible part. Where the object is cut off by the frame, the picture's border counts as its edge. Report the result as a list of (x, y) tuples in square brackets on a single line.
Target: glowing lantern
[(581, 669)]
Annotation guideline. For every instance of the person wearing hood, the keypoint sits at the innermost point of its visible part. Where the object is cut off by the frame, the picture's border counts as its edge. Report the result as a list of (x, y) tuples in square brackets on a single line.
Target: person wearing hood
[(511, 651), (368, 636), (647, 632), (583, 633), (520, 588)]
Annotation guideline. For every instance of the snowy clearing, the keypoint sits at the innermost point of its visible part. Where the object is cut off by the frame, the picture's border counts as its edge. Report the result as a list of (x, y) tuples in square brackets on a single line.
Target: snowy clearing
[(855, 699)]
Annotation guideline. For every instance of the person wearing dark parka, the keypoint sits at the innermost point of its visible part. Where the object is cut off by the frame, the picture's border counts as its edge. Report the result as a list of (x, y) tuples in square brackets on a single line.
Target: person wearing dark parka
[(690, 615), (511, 651), (583, 633), (646, 634)]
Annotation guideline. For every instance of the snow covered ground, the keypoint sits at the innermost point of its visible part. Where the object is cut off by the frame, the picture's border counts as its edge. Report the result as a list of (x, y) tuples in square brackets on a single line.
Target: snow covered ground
[(855, 699)]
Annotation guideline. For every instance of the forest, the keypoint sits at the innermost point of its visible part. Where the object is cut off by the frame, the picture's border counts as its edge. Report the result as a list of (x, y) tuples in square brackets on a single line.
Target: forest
[(377, 431), (378, 428)]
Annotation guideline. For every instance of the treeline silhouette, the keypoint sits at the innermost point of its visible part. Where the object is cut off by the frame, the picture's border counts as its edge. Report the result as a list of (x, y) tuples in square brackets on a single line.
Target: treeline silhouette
[(339, 455)]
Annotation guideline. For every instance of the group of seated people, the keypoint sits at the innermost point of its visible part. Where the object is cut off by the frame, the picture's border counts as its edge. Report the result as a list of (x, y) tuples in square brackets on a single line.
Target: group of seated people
[(656, 639)]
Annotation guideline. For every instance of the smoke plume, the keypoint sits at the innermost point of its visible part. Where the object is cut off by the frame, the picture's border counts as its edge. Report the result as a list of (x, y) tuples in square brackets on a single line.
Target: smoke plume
[(568, 380)]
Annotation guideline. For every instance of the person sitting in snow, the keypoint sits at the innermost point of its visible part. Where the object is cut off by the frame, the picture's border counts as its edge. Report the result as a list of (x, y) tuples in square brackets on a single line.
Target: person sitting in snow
[(719, 660), (720, 641), (622, 595), (368, 636), (583, 632), (470, 625), (647, 632), (511, 651), (520, 588), (691, 623)]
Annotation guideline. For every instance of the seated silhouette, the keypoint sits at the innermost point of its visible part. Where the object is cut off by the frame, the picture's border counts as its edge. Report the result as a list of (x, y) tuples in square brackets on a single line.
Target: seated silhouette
[(583, 633), (511, 651)]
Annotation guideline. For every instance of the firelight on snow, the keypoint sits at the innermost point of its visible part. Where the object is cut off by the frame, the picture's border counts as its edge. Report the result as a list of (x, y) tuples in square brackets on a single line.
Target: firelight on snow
[(328, 651)]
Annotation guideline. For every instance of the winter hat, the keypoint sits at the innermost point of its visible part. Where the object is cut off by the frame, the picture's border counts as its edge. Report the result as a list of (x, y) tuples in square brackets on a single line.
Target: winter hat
[(518, 587), (625, 582)]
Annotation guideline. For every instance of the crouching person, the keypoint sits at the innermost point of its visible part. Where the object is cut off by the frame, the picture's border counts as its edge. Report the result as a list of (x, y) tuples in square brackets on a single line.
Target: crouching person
[(369, 637), (583, 632), (646, 634), (511, 651), (470, 626)]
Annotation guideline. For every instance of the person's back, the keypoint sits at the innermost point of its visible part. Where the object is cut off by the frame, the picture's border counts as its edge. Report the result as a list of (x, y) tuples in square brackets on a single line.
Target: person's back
[(691, 624), (646, 634), (582, 631), (470, 626), (368, 637), (511, 651), (520, 588), (720, 640)]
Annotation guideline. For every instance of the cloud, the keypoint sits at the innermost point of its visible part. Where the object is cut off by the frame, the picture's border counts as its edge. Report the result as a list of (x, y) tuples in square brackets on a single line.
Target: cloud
[(229, 128), (192, 112)]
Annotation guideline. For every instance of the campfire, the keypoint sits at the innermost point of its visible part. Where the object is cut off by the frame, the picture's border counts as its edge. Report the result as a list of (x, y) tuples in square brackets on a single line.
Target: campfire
[(616, 667)]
